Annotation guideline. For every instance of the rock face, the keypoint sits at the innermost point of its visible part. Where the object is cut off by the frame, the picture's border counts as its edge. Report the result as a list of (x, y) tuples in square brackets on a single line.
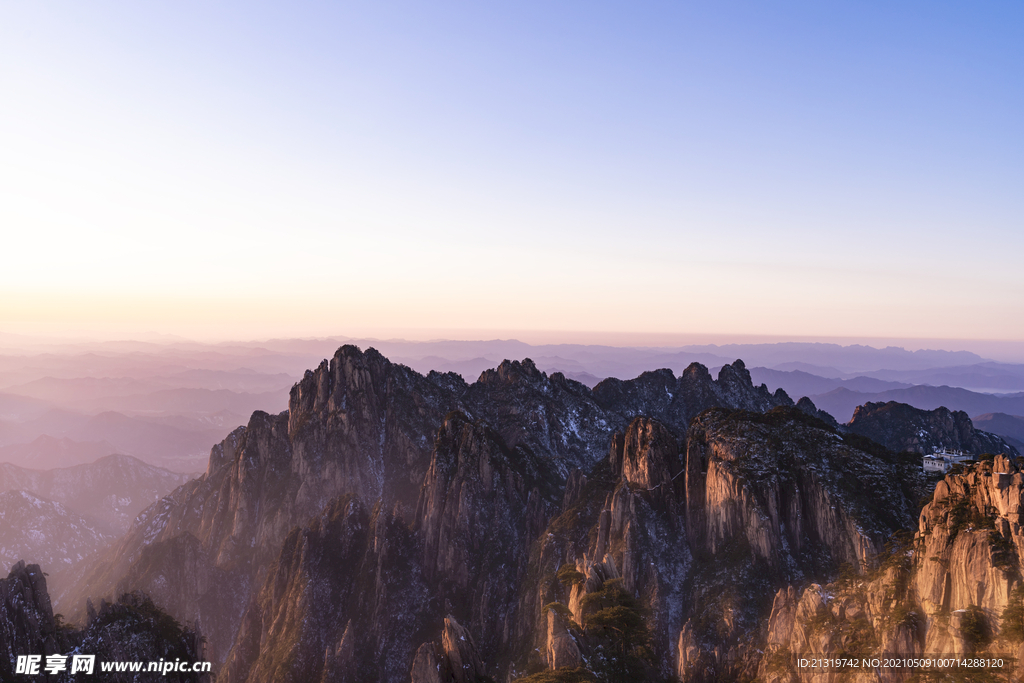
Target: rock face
[(675, 401), (755, 503), (480, 507), (26, 618), (824, 500), (360, 563), (650, 455), (901, 427), (392, 526), (954, 588)]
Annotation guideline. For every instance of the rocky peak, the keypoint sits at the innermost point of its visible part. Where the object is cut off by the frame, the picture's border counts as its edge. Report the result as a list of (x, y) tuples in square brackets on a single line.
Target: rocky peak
[(902, 427), (554, 417), (675, 402), (806, 405), (651, 393), (734, 374), (26, 617), (650, 454), (512, 371), (224, 452)]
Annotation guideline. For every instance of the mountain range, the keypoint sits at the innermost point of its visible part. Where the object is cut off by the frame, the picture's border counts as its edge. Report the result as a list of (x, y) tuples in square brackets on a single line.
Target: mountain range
[(464, 531), (57, 518), (63, 404), (396, 526)]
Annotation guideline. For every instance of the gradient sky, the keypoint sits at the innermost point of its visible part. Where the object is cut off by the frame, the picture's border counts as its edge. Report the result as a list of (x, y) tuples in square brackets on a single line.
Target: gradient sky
[(813, 169)]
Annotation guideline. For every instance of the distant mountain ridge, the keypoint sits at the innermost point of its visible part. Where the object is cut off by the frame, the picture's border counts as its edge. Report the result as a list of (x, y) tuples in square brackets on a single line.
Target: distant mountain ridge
[(841, 402), (143, 437), (901, 427), (800, 383), (1010, 427), (48, 452), (45, 532), (111, 491)]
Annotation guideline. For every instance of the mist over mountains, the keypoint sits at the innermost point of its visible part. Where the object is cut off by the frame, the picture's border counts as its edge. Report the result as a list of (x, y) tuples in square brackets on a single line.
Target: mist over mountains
[(68, 404), (59, 517)]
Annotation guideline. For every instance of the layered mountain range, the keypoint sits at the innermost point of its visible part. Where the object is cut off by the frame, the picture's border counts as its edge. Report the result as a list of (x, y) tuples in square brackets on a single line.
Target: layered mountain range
[(59, 517), (393, 526)]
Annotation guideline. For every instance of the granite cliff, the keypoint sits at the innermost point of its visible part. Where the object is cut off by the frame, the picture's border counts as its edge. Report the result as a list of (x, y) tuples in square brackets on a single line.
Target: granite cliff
[(952, 589)]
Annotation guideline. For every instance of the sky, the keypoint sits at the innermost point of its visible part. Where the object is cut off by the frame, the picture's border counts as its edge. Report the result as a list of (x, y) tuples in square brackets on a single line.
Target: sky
[(726, 170)]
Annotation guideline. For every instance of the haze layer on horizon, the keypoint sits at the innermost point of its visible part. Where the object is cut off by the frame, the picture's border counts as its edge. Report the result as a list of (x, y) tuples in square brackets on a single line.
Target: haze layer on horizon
[(843, 172)]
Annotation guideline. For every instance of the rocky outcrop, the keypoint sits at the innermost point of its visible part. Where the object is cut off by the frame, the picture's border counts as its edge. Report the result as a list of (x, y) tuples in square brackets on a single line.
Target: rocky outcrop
[(901, 427), (954, 589), (456, 660), (560, 649), (134, 629), (807, 406), (791, 489), (481, 505), (26, 618), (461, 653), (130, 629), (674, 402), (972, 543), (650, 455), (428, 666)]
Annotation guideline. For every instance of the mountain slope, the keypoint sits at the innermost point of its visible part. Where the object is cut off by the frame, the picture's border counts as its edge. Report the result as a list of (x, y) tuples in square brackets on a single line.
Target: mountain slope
[(112, 490), (905, 428), (841, 402), (43, 532), (1010, 427)]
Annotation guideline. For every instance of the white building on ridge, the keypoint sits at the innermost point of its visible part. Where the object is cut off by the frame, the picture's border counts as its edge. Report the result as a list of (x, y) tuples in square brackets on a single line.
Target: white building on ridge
[(942, 460)]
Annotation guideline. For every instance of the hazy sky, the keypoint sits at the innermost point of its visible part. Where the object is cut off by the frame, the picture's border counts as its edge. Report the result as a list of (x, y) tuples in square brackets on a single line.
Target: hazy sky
[(798, 169)]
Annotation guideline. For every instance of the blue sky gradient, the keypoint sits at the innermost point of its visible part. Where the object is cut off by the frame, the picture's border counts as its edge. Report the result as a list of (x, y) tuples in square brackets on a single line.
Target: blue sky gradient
[(793, 169)]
